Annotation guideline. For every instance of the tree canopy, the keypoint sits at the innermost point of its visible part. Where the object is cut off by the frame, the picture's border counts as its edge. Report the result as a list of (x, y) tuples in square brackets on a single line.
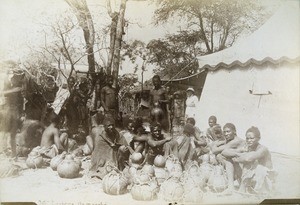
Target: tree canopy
[(206, 26)]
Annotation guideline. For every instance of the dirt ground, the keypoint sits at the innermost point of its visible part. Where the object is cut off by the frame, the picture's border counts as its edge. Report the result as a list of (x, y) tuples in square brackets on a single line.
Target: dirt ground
[(44, 186)]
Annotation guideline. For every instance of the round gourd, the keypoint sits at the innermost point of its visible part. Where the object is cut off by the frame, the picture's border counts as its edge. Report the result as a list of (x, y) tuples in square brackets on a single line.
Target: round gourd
[(172, 190), (173, 164), (217, 181), (161, 174), (159, 161), (148, 169), (194, 195), (143, 192), (136, 158), (68, 168), (55, 161), (34, 160), (205, 158), (114, 183), (144, 178), (206, 170)]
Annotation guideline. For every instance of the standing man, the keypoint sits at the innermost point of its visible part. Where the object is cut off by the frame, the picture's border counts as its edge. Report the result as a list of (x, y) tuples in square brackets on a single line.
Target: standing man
[(158, 95), (109, 99), (13, 109)]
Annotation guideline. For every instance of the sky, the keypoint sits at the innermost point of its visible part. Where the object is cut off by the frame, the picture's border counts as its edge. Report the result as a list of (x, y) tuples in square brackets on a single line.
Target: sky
[(21, 23)]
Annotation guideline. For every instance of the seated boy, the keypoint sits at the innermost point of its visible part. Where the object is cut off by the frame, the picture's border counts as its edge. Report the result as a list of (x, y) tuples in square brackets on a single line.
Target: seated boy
[(52, 142)]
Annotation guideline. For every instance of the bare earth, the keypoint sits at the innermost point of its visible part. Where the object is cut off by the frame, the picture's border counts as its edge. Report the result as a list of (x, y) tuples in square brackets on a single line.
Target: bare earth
[(44, 186)]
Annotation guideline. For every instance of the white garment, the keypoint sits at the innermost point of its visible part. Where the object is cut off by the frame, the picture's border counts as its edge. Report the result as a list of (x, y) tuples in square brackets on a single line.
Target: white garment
[(190, 110)]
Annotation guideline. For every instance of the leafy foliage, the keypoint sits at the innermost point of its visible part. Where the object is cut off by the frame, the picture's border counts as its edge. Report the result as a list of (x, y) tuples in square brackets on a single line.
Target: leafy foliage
[(127, 82), (175, 55), (218, 22)]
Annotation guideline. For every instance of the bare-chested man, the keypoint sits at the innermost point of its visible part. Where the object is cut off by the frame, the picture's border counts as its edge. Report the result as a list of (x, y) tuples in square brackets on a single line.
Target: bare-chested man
[(52, 142), (158, 144), (109, 100), (159, 95), (13, 108), (257, 176), (232, 141)]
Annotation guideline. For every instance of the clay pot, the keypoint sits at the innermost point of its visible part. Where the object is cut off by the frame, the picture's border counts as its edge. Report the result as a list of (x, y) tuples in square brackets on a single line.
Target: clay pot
[(68, 168), (172, 190), (115, 183), (145, 191), (136, 158), (206, 170), (148, 169), (161, 174), (34, 160), (55, 161), (160, 161), (217, 181)]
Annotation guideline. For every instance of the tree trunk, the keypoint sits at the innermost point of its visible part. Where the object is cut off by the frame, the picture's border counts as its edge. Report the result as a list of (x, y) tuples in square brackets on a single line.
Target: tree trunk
[(113, 33), (85, 20), (209, 50), (118, 42)]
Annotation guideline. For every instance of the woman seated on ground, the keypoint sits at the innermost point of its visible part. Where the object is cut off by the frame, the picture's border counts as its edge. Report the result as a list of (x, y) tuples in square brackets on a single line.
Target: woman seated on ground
[(109, 147), (185, 144), (217, 134), (198, 140)]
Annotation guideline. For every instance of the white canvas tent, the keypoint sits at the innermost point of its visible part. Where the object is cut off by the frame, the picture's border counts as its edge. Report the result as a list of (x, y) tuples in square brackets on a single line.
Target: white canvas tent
[(256, 82)]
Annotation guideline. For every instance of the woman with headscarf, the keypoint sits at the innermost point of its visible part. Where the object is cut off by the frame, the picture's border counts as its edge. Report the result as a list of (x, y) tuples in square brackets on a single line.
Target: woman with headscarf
[(109, 146)]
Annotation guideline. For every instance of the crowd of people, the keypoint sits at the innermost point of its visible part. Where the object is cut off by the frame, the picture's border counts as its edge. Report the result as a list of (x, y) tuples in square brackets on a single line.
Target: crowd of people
[(247, 163)]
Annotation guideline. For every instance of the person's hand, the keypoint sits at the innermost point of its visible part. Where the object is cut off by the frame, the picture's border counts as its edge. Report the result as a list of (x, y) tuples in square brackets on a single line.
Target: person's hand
[(221, 143), (168, 139), (235, 159), (23, 118), (123, 148), (113, 145), (213, 160)]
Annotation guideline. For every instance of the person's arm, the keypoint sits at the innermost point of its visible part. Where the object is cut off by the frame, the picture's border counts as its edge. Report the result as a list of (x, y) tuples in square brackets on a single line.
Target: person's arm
[(230, 152), (153, 143), (218, 147), (57, 141), (140, 147), (200, 142), (140, 138), (10, 91), (194, 101), (235, 152), (252, 155)]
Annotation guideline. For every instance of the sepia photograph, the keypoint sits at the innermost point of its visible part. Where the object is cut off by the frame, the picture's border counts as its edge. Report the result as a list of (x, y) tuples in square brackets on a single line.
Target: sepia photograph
[(106, 102)]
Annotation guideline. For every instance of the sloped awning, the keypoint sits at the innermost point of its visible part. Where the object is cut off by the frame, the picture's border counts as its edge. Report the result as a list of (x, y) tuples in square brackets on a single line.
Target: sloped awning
[(195, 81), (276, 41)]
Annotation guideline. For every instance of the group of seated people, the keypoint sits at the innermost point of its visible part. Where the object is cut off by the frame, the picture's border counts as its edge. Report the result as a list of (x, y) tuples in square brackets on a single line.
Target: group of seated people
[(246, 162)]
